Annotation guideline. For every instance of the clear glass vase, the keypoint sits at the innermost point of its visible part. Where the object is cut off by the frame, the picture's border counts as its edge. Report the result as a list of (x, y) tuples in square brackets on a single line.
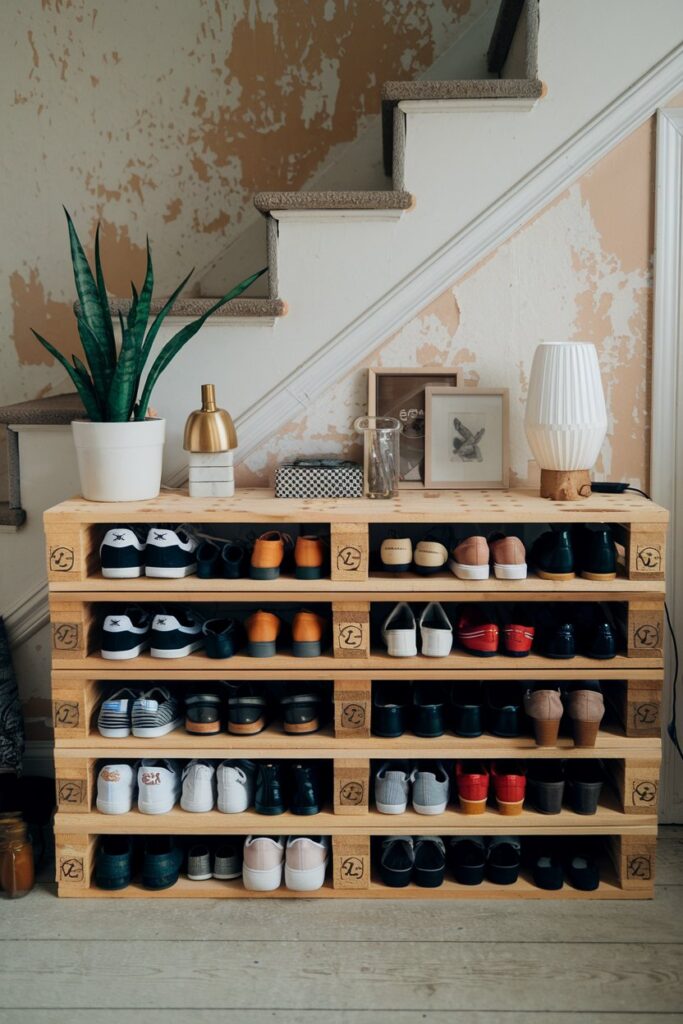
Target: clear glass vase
[(380, 455)]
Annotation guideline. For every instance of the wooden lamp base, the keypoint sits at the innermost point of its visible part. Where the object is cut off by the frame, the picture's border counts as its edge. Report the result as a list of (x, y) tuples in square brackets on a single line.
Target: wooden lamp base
[(565, 484)]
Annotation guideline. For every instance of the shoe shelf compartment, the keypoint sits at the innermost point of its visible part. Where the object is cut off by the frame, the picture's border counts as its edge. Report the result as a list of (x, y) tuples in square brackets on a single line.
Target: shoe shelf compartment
[(627, 871), (628, 743), (633, 791)]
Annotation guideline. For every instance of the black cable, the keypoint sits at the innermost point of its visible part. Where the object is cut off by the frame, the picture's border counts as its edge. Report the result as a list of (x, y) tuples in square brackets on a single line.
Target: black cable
[(672, 730)]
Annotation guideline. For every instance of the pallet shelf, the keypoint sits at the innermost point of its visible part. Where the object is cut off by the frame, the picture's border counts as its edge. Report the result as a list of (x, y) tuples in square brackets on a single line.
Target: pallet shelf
[(628, 743)]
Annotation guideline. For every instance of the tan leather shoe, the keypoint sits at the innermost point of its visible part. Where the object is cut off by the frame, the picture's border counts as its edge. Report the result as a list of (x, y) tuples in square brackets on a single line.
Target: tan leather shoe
[(263, 629), (268, 554), (586, 709), (307, 634), (309, 554), (430, 556), (544, 708), (508, 556), (470, 559)]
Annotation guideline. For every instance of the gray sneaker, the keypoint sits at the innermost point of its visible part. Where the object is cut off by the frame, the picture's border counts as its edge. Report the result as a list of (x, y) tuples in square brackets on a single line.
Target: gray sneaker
[(228, 861), (198, 863), (392, 784), (431, 788)]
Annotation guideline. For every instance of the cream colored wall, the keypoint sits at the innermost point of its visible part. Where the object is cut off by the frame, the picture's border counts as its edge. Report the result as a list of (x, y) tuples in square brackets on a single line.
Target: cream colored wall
[(164, 118), (582, 269)]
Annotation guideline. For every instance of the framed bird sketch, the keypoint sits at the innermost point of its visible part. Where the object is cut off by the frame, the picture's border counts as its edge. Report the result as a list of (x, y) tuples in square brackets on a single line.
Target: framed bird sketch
[(466, 437)]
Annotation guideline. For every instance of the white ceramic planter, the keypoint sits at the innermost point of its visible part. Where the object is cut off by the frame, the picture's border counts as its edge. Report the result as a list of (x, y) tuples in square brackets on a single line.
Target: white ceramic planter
[(119, 461)]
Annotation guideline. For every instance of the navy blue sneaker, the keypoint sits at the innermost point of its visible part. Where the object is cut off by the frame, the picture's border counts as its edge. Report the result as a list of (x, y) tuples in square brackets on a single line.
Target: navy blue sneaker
[(126, 634), (170, 553), (122, 553), (176, 634)]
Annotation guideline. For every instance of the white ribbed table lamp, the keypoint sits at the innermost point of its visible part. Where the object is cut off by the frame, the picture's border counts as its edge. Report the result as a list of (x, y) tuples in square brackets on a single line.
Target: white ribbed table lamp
[(566, 418)]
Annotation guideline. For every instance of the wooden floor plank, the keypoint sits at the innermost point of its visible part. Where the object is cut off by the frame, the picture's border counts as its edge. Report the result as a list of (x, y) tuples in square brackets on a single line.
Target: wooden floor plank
[(331, 1017), (43, 916), (531, 976)]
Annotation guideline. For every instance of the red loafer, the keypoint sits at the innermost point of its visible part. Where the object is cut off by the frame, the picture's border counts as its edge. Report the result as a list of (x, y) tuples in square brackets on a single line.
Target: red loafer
[(477, 634), (517, 640), (472, 782), (509, 785)]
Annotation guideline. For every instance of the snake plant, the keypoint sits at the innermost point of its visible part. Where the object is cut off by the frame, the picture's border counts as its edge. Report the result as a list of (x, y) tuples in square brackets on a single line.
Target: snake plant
[(111, 392)]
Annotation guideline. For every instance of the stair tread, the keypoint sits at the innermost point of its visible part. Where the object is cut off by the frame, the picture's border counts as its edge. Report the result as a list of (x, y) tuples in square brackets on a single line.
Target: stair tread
[(191, 307), (52, 411), (463, 89), (333, 200)]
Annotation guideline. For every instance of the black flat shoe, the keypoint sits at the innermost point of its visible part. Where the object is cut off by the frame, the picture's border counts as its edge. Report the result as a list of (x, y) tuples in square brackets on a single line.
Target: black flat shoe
[(467, 717), (582, 870), (397, 859), (504, 709), (552, 555), (545, 786), (467, 859), (389, 709), (430, 862), (428, 710), (547, 870), (503, 859)]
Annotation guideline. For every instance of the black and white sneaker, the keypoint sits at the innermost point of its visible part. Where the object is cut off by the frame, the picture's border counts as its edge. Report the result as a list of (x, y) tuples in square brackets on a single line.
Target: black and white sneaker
[(114, 716), (177, 634), (171, 553), (126, 635), (122, 553), (156, 713)]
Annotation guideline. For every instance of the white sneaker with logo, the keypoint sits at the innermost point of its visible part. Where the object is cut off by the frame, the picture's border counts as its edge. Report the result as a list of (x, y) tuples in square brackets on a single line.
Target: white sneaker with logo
[(158, 786), (115, 788), (199, 787)]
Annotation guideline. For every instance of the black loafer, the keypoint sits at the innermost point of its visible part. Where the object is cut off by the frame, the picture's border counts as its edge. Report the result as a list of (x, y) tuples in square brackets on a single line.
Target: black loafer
[(301, 712), (545, 786), (552, 555), (503, 859), (584, 785), (246, 711), (547, 870), (389, 709), (220, 637), (467, 709), (430, 862), (467, 859), (428, 711), (596, 552), (397, 859), (233, 561), (203, 714), (504, 709), (558, 640), (208, 560), (583, 871)]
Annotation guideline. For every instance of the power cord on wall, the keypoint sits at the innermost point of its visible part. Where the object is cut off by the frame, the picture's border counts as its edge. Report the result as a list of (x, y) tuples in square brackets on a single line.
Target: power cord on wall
[(607, 487)]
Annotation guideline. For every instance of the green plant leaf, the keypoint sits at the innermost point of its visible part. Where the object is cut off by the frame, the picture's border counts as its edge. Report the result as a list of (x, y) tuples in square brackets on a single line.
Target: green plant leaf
[(172, 347), (91, 406), (133, 311), (143, 311), (93, 312), (158, 320), (124, 385), (101, 369), (82, 372), (104, 304)]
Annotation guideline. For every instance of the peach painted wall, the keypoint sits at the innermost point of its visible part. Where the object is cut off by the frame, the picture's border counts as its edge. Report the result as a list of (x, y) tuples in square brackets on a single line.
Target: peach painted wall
[(164, 118), (581, 269)]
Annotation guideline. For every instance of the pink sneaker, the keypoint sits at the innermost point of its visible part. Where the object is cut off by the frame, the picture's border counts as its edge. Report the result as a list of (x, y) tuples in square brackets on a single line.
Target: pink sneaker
[(263, 859), (470, 559), (306, 862)]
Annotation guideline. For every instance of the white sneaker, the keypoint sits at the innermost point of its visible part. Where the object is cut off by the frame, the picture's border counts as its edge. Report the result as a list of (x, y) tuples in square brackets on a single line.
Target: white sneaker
[(199, 787), (115, 788), (399, 632), (436, 631), (262, 867), (306, 862), (158, 786), (236, 785)]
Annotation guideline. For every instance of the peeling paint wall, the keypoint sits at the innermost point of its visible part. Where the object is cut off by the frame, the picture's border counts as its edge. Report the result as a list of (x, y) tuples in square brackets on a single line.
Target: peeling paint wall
[(581, 269), (164, 118)]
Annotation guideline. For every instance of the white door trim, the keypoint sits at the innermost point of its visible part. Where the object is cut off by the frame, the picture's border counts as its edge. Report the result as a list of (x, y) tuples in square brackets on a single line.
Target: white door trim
[(666, 459)]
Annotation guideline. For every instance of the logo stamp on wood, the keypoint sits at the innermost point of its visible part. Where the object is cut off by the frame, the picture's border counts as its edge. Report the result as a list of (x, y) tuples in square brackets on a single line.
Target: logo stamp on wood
[(349, 558), (353, 716), (646, 715), (350, 636), (62, 559), (352, 793), (639, 866), (646, 636), (352, 868), (66, 714), (71, 868), (65, 636), (644, 791), (649, 558), (70, 791)]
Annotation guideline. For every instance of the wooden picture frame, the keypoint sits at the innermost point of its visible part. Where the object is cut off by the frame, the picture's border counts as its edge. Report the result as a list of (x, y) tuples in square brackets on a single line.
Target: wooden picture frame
[(406, 403), (459, 459)]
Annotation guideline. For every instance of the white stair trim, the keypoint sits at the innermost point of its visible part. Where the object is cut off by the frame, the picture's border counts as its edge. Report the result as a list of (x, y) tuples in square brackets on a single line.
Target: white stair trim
[(340, 355), (666, 449), (27, 616)]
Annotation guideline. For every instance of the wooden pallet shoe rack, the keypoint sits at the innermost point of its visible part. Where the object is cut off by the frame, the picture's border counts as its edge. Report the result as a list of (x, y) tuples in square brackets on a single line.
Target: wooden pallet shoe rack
[(628, 744)]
